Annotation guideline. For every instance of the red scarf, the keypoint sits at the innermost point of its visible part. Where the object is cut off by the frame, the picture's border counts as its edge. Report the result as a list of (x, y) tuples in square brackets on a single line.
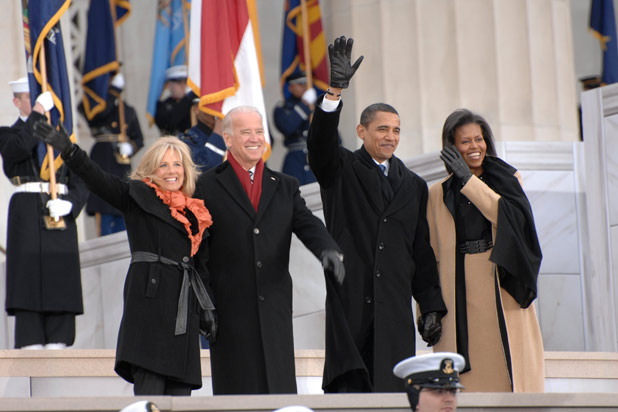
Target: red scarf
[(177, 202), (253, 190)]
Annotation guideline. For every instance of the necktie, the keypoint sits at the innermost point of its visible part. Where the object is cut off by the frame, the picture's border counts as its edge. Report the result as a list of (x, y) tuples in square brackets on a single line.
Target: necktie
[(383, 169), (251, 175)]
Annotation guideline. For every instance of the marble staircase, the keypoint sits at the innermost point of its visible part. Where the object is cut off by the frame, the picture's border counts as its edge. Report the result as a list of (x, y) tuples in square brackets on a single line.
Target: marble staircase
[(84, 380)]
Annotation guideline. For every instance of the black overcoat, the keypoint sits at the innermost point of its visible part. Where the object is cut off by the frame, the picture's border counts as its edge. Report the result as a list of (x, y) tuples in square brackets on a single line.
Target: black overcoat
[(151, 290), (248, 265), (43, 269), (388, 258)]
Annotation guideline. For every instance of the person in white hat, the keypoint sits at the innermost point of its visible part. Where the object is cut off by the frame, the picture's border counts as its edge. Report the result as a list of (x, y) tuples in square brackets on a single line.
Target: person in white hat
[(431, 380), (173, 114), (112, 155), (42, 266)]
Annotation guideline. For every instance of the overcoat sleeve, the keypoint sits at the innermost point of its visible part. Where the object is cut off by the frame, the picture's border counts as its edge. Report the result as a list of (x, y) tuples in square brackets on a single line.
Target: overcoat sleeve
[(324, 154), (17, 145), (309, 228), (426, 282), (108, 187)]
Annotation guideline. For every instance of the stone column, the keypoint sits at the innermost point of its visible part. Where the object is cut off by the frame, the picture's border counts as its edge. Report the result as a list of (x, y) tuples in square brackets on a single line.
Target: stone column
[(511, 61)]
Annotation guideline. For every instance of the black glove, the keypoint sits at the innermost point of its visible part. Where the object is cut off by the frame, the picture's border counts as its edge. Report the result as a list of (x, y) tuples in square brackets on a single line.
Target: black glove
[(453, 160), (333, 261), (430, 327), (58, 139), (208, 325), (340, 56)]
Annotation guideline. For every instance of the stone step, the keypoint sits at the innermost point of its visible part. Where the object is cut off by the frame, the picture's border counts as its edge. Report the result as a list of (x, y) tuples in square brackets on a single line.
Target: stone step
[(389, 402), (90, 372)]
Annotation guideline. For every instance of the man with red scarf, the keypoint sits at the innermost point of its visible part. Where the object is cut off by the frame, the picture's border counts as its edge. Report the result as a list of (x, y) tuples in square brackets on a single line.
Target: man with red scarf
[(255, 211)]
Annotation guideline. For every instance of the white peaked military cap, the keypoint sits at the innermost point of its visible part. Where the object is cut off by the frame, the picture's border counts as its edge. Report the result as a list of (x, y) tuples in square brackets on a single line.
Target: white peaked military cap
[(141, 406), (433, 370), (294, 408), (176, 72), (20, 85)]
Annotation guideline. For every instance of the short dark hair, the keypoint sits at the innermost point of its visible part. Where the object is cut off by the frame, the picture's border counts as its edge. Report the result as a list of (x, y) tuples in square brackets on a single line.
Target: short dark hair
[(462, 117), (370, 111)]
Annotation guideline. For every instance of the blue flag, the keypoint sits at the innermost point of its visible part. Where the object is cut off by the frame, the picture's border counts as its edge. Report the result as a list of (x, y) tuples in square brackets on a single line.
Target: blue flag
[(100, 61), (170, 45), (42, 31), (603, 25)]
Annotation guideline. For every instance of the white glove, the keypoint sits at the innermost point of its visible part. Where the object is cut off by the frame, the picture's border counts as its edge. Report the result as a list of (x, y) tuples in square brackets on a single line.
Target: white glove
[(125, 148), (310, 96), (59, 207), (46, 100), (118, 81)]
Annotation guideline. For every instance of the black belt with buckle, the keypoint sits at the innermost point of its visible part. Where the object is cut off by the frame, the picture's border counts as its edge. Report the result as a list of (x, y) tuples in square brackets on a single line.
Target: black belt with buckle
[(18, 180), (475, 246)]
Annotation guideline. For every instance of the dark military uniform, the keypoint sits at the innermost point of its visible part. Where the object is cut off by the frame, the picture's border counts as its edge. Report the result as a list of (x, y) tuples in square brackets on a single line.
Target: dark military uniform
[(292, 120), (43, 269), (207, 147)]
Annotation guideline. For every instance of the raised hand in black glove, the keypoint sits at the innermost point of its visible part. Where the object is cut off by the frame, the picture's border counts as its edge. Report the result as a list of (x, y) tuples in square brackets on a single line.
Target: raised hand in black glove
[(340, 55), (430, 327), (333, 261), (453, 160), (208, 325), (58, 139)]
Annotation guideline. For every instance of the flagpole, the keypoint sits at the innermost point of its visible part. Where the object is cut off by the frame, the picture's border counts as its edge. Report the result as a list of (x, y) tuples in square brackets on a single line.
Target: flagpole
[(186, 40), (185, 27), (306, 41), (122, 137), (50, 222), (53, 191)]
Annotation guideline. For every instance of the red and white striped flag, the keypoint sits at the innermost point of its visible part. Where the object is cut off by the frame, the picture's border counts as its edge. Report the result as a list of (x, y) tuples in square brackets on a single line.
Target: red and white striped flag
[(224, 68)]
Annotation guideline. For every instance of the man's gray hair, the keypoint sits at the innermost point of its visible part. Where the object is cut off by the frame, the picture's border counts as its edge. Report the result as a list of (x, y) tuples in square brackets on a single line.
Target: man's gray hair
[(228, 122)]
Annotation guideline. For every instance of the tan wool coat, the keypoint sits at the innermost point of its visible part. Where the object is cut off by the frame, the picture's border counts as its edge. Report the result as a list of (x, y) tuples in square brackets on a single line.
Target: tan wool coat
[(489, 371)]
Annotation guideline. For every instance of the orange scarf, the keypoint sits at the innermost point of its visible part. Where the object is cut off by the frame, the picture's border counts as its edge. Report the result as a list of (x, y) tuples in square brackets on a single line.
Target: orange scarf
[(177, 202)]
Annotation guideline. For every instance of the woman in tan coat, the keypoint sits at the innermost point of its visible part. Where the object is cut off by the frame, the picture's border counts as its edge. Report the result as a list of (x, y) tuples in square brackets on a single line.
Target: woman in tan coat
[(483, 235)]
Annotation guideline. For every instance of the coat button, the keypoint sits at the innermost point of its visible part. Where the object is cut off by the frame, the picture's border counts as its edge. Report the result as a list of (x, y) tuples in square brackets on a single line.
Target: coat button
[(378, 274), (259, 264), (256, 231), (385, 220), (261, 298), (367, 299), (381, 246), (153, 281), (185, 259)]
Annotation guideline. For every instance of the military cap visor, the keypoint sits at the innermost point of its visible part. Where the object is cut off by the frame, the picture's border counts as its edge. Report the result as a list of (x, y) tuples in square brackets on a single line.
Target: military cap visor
[(434, 370)]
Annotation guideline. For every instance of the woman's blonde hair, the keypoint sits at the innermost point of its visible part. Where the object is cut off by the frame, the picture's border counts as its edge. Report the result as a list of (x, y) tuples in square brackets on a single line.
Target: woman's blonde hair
[(153, 156)]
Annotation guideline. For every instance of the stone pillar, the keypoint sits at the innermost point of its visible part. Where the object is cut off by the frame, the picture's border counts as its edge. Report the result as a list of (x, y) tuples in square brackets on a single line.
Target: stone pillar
[(510, 61), (600, 123)]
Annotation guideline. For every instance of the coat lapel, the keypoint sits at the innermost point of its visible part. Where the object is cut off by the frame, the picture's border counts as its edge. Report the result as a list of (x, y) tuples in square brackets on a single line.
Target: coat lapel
[(370, 182), (403, 195), (147, 199), (228, 179), (270, 182)]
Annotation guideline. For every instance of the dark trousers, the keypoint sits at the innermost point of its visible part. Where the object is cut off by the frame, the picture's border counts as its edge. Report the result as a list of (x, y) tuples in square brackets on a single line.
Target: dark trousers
[(146, 382), (33, 328)]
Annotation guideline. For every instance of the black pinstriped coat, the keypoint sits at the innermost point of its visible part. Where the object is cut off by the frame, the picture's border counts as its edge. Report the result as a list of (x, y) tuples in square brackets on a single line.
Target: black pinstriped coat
[(388, 258), (248, 265)]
